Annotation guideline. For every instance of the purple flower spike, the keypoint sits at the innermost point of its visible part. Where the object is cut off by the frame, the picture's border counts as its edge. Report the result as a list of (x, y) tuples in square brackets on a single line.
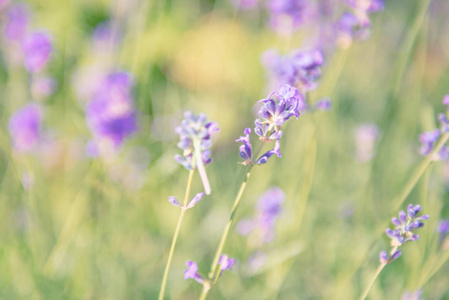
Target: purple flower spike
[(288, 15), (444, 121), (405, 225), (412, 296), (16, 23), (428, 139), (395, 255), (195, 139), (37, 49), (192, 272), (195, 200), (174, 201), (226, 263), (25, 127)]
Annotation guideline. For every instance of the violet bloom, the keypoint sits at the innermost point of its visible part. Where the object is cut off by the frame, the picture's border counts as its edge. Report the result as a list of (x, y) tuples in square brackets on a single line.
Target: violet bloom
[(25, 127), (323, 105), (110, 113), (428, 140), (195, 140), (443, 228), (412, 295), (37, 49), (300, 69), (226, 263), (16, 22), (365, 141), (246, 151), (43, 87), (287, 16), (192, 272), (403, 231), (268, 210), (191, 204)]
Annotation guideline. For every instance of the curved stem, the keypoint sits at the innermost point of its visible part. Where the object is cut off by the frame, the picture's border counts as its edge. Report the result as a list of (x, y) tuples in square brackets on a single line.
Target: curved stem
[(379, 269), (224, 236), (175, 236)]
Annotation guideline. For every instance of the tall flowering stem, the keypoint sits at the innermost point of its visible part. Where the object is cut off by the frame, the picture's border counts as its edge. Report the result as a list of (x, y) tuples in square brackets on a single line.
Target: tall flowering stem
[(276, 109), (175, 236), (195, 141)]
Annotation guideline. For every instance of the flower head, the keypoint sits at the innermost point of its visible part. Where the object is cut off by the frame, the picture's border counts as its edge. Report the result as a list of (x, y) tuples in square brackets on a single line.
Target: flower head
[(412, 295), (25, 127), (428, 140), (405, 225), (192, 272), (110, 113), (288, 15), (300, 69), (195, 140), (16, 22), (37, 49), (226, 263)]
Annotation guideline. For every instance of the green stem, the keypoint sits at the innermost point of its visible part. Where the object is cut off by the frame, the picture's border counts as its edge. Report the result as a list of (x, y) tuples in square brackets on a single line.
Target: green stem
[(175, 236), (376, 274), (224, 236)]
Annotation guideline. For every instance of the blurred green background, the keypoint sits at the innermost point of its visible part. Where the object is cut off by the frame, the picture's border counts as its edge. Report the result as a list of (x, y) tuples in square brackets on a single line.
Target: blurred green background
[(98, 229)]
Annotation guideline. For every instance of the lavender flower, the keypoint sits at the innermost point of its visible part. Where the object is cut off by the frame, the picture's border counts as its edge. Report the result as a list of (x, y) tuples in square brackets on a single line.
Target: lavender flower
[(195, 139), (324, 105), (37, 49), (25, 127), (226, 263), (110, 113), (301, 69), (288, 15), (16, 22), (192, 272), (365, 140), (443, 229), (412, 296), (246, 151), (267, 212), (428, 140)]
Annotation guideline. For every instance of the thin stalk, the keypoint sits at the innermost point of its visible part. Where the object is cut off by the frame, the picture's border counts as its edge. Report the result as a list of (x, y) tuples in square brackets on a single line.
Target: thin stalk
[(175, 236), (379, 269), (206, 287)]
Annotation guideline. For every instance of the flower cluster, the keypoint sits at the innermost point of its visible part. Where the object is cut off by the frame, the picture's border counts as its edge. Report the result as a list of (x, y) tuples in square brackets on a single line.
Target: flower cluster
[(403, 232), (429, 138), (25, 127), (289, 15), (268, 210), (277, 108), (355, 25), (195, 140), (225, 262), (110, 112), (300, 69)]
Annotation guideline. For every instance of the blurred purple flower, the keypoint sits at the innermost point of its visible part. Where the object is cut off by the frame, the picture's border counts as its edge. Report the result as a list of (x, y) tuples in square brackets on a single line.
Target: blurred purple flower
[(195, 139), (43, 87), (428, 140), (25, 126), (16, 22), (300, 69), (412, 296), (267, 212), (324, 105), (365, 140), (110, 113), (37, 49), (192, 272), (226, 263), (287, 16)]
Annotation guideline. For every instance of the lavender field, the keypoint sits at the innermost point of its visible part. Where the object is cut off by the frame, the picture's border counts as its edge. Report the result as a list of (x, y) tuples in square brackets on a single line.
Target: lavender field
[(224, 149)]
